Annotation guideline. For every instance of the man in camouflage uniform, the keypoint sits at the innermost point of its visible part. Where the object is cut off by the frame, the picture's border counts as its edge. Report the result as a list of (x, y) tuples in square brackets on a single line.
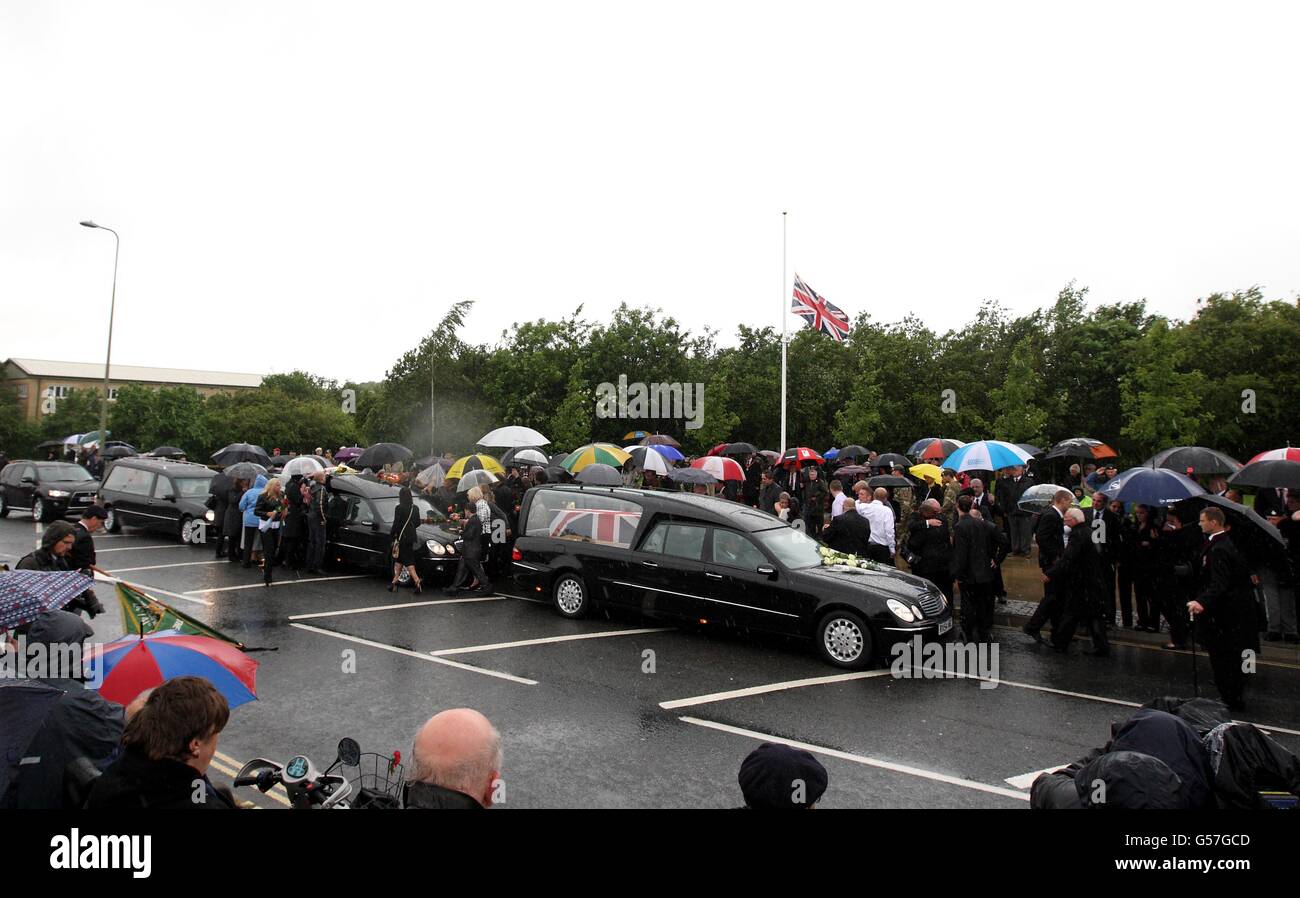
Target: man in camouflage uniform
[(951, 490)]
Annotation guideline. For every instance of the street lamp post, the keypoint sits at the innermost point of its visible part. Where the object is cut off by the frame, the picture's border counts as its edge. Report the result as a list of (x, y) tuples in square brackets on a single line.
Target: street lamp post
[(103, 408)]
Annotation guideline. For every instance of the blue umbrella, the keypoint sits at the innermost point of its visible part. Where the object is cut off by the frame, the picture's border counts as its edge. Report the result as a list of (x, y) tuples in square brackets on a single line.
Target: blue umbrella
[(1151, 486), (831, 454), (25, 595), (668, 452), (986, 455)]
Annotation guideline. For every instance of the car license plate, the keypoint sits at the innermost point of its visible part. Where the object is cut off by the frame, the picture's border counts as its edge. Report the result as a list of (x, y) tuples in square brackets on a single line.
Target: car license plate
[(945, 626)]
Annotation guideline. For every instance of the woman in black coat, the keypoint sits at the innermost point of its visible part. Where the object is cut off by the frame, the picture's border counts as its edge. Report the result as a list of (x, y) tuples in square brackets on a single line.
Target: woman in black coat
[(403, 538), (294, 531), (233, 523)]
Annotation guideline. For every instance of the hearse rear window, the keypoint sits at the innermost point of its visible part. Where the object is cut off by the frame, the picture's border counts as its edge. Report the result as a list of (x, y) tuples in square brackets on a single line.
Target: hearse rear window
[(583, 517)]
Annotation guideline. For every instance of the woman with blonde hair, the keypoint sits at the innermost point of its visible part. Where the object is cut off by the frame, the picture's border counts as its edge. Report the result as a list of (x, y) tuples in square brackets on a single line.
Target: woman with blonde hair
[(270, 510)]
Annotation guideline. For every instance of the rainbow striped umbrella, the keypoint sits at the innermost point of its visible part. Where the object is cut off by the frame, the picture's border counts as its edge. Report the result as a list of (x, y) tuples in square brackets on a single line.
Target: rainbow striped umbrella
[(592, 454), (130, 665)]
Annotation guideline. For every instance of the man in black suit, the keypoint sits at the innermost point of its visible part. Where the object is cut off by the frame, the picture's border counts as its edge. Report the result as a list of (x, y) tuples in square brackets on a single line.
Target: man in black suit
[(1270, 502), (848, 532), (1049, 532), (978, 549), (769, 493), (1077, 576), (1022, 522), (1107, 533), (1224, 609)]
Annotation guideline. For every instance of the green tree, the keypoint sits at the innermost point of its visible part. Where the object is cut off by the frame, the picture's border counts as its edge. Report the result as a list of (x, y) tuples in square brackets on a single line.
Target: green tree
[(77, 412), (1020, 418), (1164, 407), (18, 436)]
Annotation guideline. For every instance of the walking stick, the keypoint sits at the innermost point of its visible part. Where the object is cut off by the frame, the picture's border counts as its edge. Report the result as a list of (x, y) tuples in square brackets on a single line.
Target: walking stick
[(1196, 687)]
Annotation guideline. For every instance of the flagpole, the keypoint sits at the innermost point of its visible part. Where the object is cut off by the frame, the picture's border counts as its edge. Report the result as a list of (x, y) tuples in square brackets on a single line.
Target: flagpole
[(785, 306)]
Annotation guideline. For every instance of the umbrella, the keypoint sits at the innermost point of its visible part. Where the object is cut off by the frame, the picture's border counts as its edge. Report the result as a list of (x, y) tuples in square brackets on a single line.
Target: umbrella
[(851, 470), (938, 449), (770, 454), (433, 476), (348, 453), (926, 471), (717, 450), (691, 475), (599, 474), (1249, 528), (277, 462), (518, 458), (306, 464), (889, 459), (986, 455), (800, 456), (476, 477), (671, 453), (558, 458), (1268, 473), (556, 474), (132, 664), (25, 595), (592, 454), (635, 435), (647, 459), (1081, 447), (237, 452), (854, 451), (117, 452), (661, 439), (1289, 453), (512, 437), (478, 462), (739, 449), (244, 470), (831, 454), (1193, 460), (168, 452), (719, 467), (1037, 498), (1151, 486), (890, 480), (1030, 448), (51, 444), (381, 454)]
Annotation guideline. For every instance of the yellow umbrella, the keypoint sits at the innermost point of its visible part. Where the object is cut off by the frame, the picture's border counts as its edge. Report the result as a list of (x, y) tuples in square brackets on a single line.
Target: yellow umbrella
[(595, 453), (474, 463), (931, 473)]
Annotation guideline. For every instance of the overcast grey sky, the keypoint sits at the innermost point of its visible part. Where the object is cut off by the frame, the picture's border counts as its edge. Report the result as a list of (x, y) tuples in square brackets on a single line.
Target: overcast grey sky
[(366, 164)]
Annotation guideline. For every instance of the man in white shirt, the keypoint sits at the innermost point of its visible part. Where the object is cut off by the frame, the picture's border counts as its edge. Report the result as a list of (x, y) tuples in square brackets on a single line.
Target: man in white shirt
[(839, 501), (881, 517)]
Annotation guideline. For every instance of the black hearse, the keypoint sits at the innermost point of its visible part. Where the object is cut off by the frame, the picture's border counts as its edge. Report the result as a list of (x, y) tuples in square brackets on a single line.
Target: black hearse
[(48, 489), (687, 557), (158, 494)]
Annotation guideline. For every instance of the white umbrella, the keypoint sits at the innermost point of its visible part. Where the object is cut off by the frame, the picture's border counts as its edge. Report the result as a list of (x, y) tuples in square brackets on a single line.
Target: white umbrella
[(475, 478), (433, 476), (525, 457), (647, 459), (303, 464), (509, 437)]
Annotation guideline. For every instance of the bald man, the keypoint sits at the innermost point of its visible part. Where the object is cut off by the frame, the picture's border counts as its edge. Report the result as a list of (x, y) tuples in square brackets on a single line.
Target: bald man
[(456, 762)]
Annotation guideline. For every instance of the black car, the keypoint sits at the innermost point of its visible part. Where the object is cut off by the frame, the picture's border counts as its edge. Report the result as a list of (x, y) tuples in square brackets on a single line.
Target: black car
[(359, 516), (48, 489), (687, 557), (158, 494)]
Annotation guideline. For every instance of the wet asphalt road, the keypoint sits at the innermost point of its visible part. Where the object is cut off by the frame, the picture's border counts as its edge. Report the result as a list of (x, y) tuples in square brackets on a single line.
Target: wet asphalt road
[(583, 720)]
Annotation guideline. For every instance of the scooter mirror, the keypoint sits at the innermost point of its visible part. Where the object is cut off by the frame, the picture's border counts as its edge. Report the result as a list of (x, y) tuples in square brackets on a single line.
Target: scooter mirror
[(349, 752)]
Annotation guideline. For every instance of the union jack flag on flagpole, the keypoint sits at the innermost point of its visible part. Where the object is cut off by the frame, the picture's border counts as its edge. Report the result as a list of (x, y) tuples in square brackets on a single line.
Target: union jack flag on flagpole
[(818, 313)]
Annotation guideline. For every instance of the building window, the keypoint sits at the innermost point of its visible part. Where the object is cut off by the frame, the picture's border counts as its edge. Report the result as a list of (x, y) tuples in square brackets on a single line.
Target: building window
[(112, 393), (60, 392), (22, 391)]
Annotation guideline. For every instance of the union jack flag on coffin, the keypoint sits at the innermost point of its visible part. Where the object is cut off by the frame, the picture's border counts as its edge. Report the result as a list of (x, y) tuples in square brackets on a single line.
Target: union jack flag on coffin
[(598, 525), (820, 314)]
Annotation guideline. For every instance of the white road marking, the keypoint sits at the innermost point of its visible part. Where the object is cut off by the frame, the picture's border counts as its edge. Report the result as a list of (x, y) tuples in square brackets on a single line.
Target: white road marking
[(544, 640), (920, 772), (152, 589), (138, 548), (391, 607), (260, 585), (158, 567), (1025, 780), (770, 687), (421, 655)]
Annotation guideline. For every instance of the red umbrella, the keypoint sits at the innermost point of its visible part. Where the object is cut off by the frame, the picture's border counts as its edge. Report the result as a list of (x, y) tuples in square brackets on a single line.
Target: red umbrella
[(801, 456), (939, 449), (720, 467), (131, 665), (1288, 454), (717, 450)]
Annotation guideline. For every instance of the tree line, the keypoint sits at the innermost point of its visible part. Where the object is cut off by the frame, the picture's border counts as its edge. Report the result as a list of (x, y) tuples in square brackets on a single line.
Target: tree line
[(1224, 378)]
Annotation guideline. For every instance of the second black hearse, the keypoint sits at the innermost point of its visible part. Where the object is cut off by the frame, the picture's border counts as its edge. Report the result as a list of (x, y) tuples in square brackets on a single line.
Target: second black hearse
[(686, 557)]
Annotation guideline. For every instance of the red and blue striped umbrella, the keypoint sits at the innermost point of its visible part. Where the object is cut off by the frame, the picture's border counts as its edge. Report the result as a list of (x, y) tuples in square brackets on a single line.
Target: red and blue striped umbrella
[(25, 595), (130, 665)]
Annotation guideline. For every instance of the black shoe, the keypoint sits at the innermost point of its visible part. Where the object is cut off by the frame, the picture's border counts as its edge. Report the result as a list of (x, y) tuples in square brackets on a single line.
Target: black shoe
[(392, 586), (1037, 635), (419, 589)]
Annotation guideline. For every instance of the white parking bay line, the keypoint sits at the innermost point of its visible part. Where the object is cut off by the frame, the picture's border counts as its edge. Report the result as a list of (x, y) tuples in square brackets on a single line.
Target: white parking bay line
[(544, 640), (421, 655), (770, 687), (138, 548), (932, 775), (199, 592), (153, 589), (158, 567), (1025, 780), (391, 607)]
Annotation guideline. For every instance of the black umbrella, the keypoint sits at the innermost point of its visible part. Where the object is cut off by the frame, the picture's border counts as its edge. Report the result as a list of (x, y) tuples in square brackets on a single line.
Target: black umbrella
[(1082, 447), (1198, 459), (600, 475), (851, 471), (1253, 535), (556, 474), (889, 480), (382, 454), (51, 444), (558, 457), (117, 452), (237, 452), (244, 470), (889, 459), (1273, 474), (854, 451), (168, 452), (738, 449), (427, 461), (1029, 447), (277, 462), (661, 439), (691, 475)]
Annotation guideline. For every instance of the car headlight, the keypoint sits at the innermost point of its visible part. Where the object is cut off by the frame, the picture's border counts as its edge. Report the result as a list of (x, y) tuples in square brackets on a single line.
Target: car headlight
[(209, 516), (916, 612), (901, 611), (435, 547), (451, 550), (59, 494)]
